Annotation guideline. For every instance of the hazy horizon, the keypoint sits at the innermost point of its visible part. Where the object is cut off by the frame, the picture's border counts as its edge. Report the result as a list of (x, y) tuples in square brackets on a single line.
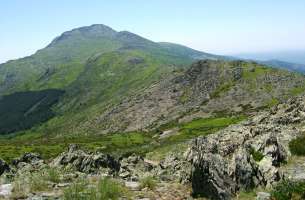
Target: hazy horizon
[(222, 27)]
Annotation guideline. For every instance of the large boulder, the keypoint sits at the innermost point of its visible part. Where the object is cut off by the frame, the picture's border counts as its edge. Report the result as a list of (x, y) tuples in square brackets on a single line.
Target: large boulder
[(246, 155), (211, 177), (86, 162), (30, 158), (134, 167), (28, 162)]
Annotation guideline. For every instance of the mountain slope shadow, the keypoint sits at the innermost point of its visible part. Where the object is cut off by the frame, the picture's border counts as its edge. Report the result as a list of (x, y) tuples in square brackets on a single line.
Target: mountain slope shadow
[(23, 110)]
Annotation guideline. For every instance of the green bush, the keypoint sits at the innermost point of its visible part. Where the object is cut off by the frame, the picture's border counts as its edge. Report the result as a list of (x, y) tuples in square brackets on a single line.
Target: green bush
[(148, 182), (53, 175), (288, 190), (78, 191), (297, 146), (38, 183), (257, 156)]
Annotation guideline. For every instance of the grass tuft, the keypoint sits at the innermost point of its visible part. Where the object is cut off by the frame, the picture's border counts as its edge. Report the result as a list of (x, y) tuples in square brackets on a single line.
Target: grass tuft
[(148, 182), (297, 146)]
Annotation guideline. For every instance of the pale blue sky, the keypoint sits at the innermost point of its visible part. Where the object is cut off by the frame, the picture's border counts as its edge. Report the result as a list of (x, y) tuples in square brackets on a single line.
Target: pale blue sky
[(215, 26)]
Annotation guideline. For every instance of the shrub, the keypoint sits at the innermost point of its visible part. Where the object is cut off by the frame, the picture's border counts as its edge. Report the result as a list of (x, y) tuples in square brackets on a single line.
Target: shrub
[(53, 175), (20, 189), (257, 156), (38, 183), (148, 182), (286, 190), (297, 146), (82, 190), (109, 189), (78, 191)]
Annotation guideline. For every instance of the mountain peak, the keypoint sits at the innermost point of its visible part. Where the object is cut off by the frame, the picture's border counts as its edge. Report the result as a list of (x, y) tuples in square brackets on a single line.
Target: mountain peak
[(92, 31)]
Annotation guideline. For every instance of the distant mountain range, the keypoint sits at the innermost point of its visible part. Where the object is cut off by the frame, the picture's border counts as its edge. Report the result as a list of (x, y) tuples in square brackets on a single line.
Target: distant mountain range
[(292, 60)]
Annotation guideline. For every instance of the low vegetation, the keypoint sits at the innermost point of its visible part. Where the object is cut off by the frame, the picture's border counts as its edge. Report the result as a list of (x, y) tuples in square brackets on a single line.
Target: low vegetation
[(257, 156), (297, 146), (148, 182), (288, 190), (105, 189), (116, 144)]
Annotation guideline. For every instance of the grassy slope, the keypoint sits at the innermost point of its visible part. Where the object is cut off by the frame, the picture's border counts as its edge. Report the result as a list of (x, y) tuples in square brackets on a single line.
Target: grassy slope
[(64, 59), (118, 143), (94, 66)]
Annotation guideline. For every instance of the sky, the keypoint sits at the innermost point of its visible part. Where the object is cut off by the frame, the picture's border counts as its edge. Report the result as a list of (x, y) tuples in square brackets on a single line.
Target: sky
[(226, 27)]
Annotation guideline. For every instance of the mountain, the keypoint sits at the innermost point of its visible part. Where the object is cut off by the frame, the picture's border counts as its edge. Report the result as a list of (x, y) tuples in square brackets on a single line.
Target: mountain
[(291, 56), (207, 88), (88, 65), (285, 65), (60, 63), (94, 80)]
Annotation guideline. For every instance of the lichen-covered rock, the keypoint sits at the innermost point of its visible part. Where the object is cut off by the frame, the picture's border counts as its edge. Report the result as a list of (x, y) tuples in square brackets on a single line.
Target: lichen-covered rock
[(211, 177), (135, 167), (3, 167), (86, 162), (31, 158), (246, 155), (263, 196)]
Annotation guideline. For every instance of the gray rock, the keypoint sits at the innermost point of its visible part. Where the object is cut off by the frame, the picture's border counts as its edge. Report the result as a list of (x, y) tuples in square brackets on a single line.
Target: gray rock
[(31, 158), (3, 167), (134, 167), (85, 162), (211, 178), (6, 190), (135, 186), (263, 196), (223, 164)]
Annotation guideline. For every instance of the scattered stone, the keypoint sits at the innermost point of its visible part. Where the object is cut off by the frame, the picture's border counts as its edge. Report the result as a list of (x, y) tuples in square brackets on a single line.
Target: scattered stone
[(135, 186), (134, 167), (6, 190), (263, 196)]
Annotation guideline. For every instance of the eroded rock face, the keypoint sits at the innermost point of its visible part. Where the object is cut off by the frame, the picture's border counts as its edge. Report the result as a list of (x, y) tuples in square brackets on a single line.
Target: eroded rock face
[(223, 163), (85, 162), (3, 167), (211, 176)]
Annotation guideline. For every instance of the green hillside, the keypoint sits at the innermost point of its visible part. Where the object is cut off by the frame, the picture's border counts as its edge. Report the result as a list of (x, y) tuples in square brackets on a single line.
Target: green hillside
[(94, 65)]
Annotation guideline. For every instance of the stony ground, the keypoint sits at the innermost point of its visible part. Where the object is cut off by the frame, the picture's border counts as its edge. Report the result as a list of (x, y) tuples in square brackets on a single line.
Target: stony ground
[(253, 155)]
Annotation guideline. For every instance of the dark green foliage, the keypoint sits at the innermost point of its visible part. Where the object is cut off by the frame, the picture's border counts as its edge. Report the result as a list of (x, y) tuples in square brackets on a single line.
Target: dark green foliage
[(288, 190), (23, 110), (257, 156), (297, 146)]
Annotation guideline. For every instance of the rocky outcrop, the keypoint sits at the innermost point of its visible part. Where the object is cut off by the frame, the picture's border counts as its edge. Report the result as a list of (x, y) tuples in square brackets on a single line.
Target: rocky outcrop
[(86, 162), (27, 163), (3, 167), (246, 155), (135, 167), (206, 87), (174, 168)]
